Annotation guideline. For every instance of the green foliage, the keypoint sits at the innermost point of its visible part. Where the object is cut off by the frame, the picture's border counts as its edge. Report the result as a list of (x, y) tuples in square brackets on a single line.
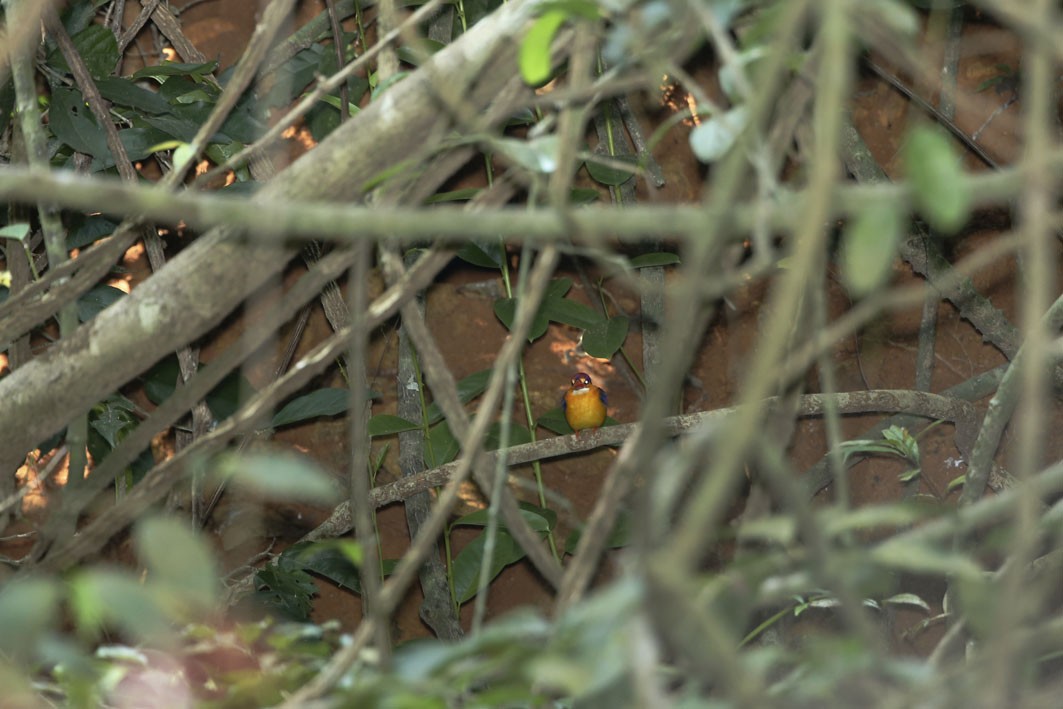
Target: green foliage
[(895, 441), (96, 299), (938, 185), (535, 64), (98, 48), (713, 138), (611, 175), (283, 476), (323, 402), (869, 247), (224, 399), (465, 568)]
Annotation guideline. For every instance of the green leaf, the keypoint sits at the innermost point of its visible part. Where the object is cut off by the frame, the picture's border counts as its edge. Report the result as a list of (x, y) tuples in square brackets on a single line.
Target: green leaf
[(77, 15), (534, 57), (292, 76), (610, 175), (279, 475), (462, 195), (619, 536), (98, 49), (917, 557), (482, 253), (904, 441), (387, 425), (518, 435), (104, 598), (323, 402), (139, 143), (112, 419), (440, 447), (18, 231), (661, 258), (869, 247), (538, 518), (166, 69), (870, 517), (161, 381), (555, 422), (558, 287), (711, 140), (469, 388), (29, 607), (95, 300), (226, 398), (415, 55), (604, 338), (182, 129), (583, 195), (744, 64), (126, 93), (337, 103), (286, 591), (936, 175), (535, 155), (466, 565), (571, 312), (506, 311), (383, 86), (85, 230), (179, 562), (222, 152), (907, 599), (583, 9), (68, 119), (335, 559), (474, 386), (910, 475)]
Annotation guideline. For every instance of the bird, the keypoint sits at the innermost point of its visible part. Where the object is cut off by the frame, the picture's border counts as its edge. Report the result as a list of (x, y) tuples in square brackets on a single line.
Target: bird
[(584, 404)]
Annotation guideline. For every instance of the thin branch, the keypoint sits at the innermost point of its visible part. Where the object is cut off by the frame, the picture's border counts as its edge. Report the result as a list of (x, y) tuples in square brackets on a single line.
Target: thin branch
[(281, 220)]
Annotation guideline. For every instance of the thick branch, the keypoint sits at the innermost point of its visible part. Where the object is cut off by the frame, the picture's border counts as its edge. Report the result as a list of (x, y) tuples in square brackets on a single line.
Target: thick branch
[(209, 278)]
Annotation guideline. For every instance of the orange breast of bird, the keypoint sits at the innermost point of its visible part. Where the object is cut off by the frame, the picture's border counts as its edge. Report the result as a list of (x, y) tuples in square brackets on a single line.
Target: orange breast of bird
[(584, 404)]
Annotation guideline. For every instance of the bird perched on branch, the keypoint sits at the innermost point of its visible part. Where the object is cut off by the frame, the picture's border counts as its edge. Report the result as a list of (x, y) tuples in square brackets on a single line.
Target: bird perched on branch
[(584, 404)]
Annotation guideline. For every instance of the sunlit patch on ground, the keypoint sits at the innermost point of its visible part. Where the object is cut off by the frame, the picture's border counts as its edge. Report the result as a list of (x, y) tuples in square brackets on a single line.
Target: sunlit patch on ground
[(39, 473), (678, 100), (567, 347), (301, 136)]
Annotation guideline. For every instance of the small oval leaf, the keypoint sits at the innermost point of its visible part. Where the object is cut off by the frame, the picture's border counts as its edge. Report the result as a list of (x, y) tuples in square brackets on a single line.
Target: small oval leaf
[(534, 59), (179, 563), (18, 231), (868, 248), (938, 186), (387, 425), (323, 402), (660, 258), (94, 301), (279, 475), (469, 560), (440, 447), (28, 608), (603, 339), (712, 139)]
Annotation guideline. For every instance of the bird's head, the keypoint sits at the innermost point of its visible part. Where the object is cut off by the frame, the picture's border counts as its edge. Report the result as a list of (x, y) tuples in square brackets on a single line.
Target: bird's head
[(582, 380)]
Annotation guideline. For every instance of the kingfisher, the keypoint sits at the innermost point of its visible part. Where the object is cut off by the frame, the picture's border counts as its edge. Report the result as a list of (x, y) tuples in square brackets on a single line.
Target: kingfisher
[(584, 404)]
